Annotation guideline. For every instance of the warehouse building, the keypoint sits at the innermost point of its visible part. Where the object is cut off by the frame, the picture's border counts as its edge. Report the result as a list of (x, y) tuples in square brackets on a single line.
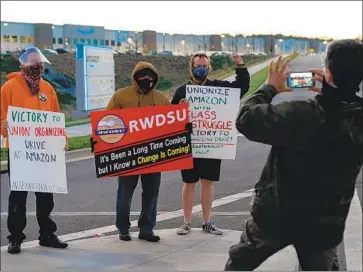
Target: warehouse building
[(16, 36)]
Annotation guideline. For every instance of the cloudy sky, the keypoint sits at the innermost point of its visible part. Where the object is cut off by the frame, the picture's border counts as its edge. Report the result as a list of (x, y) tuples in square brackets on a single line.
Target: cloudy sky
[(336, 19)]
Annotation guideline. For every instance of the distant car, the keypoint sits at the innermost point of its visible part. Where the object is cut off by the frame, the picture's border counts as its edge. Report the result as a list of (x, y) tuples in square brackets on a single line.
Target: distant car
[(133, 52), (62, 50), (50, 51), (165, 53), (5, 52)]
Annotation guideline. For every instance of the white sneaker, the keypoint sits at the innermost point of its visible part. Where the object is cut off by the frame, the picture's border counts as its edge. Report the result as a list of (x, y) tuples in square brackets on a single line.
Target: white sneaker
[(209, 227), (184, 229)]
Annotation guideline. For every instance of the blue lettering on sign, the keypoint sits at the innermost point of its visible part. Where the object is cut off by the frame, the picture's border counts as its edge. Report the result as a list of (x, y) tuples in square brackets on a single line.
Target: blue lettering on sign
[(89, 31)]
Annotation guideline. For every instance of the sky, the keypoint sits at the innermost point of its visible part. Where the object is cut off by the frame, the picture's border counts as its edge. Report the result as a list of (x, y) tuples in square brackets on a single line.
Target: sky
[(331, 19)]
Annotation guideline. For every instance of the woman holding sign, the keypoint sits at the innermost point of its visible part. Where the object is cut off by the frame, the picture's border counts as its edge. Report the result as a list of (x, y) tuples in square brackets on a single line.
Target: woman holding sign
[(205, 170), (26, 89)]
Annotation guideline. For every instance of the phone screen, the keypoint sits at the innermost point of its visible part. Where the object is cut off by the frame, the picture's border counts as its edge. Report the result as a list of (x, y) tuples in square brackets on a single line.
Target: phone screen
[(300, 80)]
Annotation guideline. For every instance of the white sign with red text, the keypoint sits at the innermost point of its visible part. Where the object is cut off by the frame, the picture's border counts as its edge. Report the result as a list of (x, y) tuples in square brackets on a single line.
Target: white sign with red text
[(213, 112), (36, 151)]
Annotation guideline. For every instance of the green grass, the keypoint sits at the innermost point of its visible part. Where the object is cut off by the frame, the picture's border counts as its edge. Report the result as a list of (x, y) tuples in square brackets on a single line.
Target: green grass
[(257, 80), (79, 142), (4, 154), (78, 122), (260, 78)]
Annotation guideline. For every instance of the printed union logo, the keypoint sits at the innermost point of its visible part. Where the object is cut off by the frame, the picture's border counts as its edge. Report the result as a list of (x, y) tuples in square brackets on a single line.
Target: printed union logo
[(111, 129), (43, 97)]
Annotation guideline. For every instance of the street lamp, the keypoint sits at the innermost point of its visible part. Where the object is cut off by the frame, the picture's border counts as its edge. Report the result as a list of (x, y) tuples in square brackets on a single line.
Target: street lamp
[(183, 45), (163, 41), (222, 43), (248, 48), (281, 41), (233, 43)]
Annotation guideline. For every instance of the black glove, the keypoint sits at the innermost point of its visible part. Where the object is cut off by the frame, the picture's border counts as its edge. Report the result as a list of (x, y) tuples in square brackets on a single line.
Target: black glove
[(189, 127), (92, 144)]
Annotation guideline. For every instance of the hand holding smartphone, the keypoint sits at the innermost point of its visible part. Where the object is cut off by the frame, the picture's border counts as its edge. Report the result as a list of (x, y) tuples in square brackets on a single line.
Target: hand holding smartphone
[(298, 80)]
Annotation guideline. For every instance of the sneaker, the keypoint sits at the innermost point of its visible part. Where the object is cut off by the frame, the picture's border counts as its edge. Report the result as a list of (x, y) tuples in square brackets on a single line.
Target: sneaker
[(125, 237), (184, 229), (52, 241), (209, 227), (14, 247)]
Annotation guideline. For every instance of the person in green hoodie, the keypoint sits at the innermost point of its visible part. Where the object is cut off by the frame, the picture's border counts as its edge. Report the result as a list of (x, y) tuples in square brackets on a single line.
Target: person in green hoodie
[(141, 93)]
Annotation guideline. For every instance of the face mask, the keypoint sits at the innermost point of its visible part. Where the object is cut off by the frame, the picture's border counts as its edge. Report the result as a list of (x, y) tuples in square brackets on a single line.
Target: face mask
[(32, 75), (200, 73), (146, 85)]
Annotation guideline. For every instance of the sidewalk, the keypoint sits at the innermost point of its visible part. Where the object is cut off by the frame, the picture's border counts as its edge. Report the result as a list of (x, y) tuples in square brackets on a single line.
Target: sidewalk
[(195, 252)]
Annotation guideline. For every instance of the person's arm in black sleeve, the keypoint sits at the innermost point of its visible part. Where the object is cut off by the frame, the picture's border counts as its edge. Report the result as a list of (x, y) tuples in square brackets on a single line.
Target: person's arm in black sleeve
[(179, 94), (242, 81), (281, 125)]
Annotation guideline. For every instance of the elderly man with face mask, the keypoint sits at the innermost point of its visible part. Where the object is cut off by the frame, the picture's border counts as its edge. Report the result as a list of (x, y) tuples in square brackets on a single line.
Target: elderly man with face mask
[(205, 170), (142, 93), (27, 89)]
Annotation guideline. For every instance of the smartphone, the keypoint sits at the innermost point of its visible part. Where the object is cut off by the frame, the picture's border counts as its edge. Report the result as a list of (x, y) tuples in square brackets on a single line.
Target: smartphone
[(300, 80)]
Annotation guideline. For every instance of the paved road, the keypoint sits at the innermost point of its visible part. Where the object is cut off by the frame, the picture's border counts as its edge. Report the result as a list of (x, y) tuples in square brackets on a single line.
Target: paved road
[(91, 202)]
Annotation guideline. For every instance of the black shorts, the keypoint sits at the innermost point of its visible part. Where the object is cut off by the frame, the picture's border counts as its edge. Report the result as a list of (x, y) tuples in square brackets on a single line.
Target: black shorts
[(208, 169)]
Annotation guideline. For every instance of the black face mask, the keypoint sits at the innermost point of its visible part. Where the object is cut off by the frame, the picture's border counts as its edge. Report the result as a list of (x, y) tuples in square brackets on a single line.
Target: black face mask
[(146, 85)]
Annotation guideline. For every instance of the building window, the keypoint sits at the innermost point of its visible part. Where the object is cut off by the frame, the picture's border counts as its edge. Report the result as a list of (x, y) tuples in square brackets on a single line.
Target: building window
[(60, 40), (107, 42), (54, 40), (82, 41), (89, 42), (112, 43), (30, 39), (102, 42), (14, 39), (95, 42), (118, 44), (22, 39), (6, 38), (75, 41)]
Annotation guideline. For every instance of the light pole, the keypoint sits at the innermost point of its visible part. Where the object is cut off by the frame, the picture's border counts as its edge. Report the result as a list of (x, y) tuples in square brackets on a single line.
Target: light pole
[(222, 42), (163, 41), (325, 43), (173, 43), (248, 48), (205, 44), (136, 42), (183, 46), (281, 41)]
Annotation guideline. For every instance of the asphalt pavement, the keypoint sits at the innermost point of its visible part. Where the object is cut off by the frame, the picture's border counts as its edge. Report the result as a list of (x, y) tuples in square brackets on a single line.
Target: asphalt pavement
[(91, 202)]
